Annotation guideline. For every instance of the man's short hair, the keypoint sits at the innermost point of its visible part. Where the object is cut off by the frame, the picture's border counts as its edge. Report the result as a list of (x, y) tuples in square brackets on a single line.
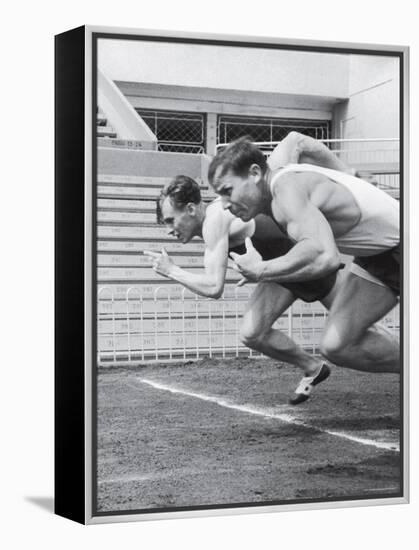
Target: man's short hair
[(238, 157), (181, 191)]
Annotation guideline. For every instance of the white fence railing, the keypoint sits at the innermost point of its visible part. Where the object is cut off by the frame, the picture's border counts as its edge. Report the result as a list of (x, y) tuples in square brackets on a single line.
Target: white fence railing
[(168, 325), (354, 152), (374, 151)]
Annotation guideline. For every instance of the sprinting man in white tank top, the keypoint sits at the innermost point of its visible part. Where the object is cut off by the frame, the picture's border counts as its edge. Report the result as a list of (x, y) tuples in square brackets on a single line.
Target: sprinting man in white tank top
[(377, 227), (324, 211)]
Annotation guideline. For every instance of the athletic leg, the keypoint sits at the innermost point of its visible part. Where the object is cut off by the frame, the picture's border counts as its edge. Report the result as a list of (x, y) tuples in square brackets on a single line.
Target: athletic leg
[(328, 300), (267, 303), (350, 338)]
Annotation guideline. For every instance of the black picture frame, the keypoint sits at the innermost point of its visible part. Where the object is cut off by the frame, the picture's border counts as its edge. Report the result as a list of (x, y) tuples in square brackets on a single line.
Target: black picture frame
[(76, 268)]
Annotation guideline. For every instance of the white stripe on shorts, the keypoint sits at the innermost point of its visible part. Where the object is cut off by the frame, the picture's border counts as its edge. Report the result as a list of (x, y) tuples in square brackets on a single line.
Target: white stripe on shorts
[(364, 274)]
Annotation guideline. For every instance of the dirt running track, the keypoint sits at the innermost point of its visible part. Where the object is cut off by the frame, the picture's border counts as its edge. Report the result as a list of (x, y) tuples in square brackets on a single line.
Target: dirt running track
[(221, 432)]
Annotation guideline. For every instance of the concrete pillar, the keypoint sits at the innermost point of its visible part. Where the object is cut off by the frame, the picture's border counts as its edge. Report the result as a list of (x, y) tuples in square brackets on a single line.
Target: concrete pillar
[(211, 133)]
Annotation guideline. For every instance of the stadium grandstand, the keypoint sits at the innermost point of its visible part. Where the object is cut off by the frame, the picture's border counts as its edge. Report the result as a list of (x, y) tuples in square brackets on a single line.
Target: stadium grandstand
[(150, 129)]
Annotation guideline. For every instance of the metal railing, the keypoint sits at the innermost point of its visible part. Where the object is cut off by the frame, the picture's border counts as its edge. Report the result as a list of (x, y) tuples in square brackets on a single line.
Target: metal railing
[(373, 151), (169, 325), (231, 127), (363, 150)]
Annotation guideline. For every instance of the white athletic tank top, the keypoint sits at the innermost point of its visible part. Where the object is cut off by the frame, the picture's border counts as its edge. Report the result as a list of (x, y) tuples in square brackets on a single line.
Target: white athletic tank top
[(378, 226)]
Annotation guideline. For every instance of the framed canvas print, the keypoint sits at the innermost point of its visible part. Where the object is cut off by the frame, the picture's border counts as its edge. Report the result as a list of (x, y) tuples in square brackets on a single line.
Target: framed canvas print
[(231, 293)]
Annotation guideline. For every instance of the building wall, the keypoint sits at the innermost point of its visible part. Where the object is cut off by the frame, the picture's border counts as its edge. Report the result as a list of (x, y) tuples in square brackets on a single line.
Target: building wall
[(218, 101), (227, 68), (360, 92), (372, 108)]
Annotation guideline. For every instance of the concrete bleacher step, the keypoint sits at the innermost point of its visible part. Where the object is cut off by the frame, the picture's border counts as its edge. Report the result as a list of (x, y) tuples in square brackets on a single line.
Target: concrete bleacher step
[(126, 218), (121, 205), (132, 162), (135, 259), (105, 274), (145, 233), (139, 187), (136, 193), (172, 247), (132, 205), (123, 180)]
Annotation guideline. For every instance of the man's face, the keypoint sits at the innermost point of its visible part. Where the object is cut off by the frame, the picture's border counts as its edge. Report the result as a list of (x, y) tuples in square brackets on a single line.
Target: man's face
[(240, 194), (181, 223)]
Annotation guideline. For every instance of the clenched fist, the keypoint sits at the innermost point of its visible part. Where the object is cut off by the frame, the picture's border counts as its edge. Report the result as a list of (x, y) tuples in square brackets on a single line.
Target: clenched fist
[(249, 265)]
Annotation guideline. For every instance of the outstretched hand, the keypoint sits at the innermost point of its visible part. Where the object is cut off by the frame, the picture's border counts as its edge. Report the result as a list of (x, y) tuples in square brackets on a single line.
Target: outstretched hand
[(162, 263), (248, 265)]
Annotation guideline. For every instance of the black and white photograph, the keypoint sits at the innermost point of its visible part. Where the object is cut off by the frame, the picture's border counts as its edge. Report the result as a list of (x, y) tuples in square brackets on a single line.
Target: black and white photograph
[(248, 209), (209, 234)]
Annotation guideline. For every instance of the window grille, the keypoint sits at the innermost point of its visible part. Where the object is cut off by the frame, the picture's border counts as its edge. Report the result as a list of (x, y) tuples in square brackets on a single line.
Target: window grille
[(230, 127), (176, 131)]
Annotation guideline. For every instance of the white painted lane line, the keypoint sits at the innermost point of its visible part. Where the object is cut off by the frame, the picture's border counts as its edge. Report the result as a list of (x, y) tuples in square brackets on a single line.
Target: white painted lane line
[(267, 413)]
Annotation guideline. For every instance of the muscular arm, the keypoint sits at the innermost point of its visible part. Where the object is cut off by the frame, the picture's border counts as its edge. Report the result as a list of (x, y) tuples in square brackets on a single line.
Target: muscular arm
[(211, 282), (298, 148), (315, 253)]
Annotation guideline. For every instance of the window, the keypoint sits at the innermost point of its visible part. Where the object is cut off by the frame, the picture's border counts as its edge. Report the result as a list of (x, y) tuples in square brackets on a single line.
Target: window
[(176, 131)]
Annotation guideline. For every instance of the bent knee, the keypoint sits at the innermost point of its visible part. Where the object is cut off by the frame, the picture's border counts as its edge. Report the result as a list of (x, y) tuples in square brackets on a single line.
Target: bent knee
[(251, 337), (333, 346)]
